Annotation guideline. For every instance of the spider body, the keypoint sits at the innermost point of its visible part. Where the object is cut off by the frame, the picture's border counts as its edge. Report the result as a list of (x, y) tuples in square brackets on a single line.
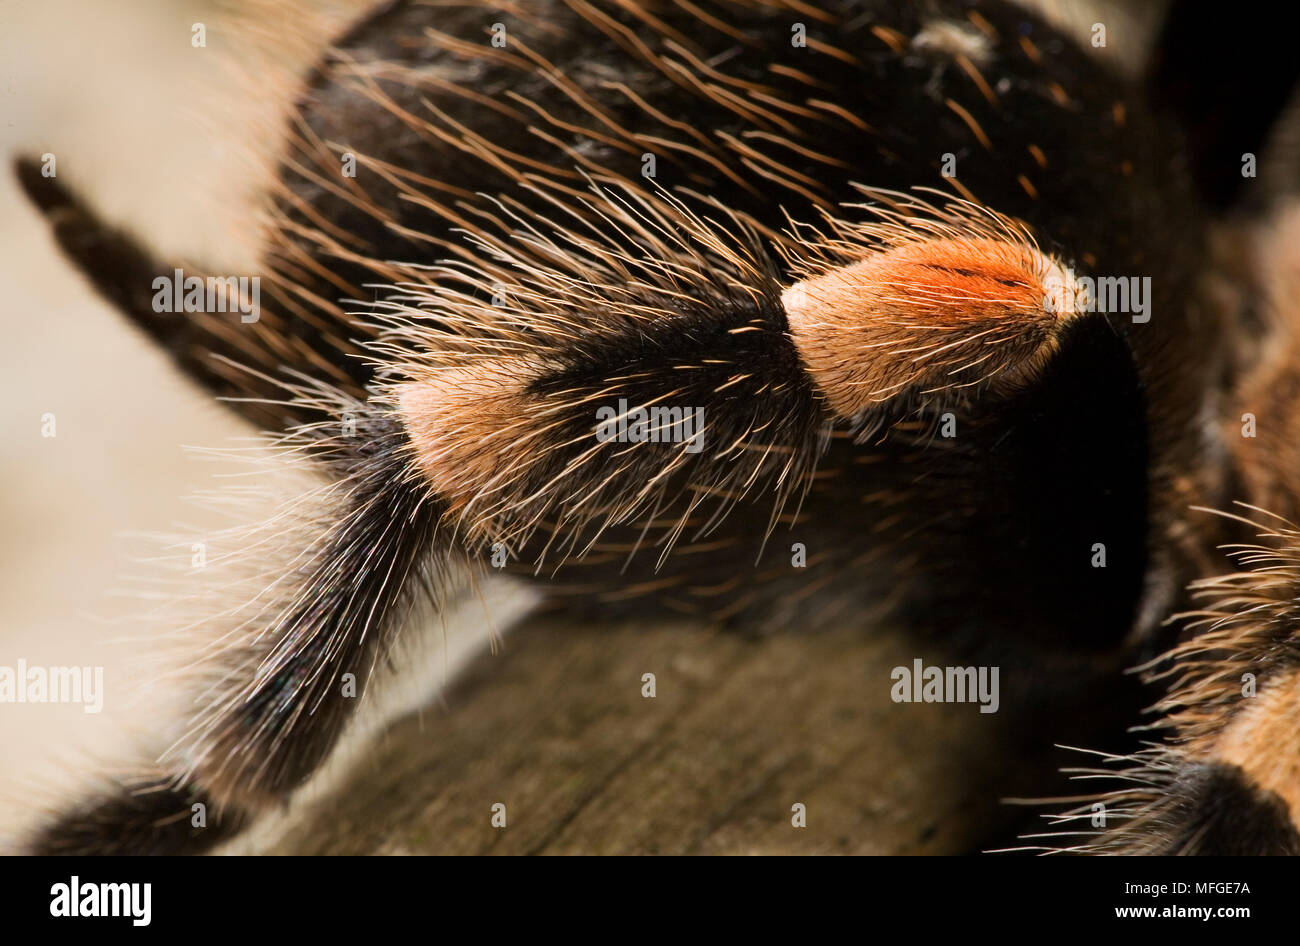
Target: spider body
[(882, 374)]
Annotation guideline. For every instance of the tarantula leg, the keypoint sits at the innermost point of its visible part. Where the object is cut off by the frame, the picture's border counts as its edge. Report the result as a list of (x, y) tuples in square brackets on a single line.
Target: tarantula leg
[(257, 744), (214, 349), (1226, 779), (152, 815), (957, 300), (288, 678)]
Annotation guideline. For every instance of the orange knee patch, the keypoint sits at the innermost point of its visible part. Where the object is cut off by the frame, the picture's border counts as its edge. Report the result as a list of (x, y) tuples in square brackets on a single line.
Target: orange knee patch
[(930, 314)]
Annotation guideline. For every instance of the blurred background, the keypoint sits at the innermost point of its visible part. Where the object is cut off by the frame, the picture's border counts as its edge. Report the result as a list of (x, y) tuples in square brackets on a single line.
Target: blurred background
[(163, 138)]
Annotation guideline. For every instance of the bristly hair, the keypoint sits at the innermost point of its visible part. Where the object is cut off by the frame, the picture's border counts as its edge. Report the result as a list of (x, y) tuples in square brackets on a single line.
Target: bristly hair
[(923, 302), (499, 272), (311, 600), (1222, 777), (497, 362)]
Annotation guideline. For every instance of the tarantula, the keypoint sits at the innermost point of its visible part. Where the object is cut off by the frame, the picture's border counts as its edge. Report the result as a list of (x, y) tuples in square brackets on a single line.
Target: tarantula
[(872, 252)]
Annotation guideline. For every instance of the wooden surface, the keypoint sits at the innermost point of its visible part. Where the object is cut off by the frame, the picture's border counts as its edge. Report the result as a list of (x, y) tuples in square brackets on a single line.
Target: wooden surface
[(555, 727)]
